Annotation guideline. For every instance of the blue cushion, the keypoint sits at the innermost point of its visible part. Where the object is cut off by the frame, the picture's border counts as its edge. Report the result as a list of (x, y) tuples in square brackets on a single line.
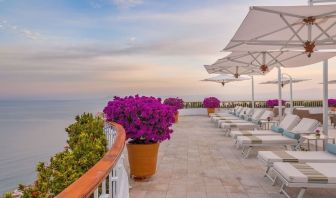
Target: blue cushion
[(331, 148), (291, 135), (277, 129)]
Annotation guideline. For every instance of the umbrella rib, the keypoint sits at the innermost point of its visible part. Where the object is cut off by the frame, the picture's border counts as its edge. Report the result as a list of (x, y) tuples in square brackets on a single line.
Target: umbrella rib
[(274, 59), (291, 38), (319, 27), (291, 28), (254, 58), (324, 31), (286, 59), (277, 12), (242, 62), (325, 14)]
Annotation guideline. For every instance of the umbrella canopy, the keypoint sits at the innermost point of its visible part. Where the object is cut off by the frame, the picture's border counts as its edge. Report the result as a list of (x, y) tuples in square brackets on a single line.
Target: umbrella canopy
[(306, 28), (256, 63), (285, 80), (226, 78), (331, 82)]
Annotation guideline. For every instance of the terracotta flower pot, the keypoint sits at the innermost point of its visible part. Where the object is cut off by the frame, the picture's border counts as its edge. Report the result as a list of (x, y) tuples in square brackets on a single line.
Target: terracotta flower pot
[(211, 110), (142, 159), (176, 116)]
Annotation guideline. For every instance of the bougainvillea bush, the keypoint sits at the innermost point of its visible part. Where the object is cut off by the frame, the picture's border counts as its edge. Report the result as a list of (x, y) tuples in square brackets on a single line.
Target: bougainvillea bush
[(332, 102), (174, 103), (145, 119), (274, 102), (211, 102)]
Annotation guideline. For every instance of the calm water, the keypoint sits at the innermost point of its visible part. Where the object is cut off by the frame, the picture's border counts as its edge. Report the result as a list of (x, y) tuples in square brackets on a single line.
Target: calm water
[(33, 131)]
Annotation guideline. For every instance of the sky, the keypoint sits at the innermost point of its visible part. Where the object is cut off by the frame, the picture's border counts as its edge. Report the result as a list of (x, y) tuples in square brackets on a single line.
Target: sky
[(89, 49)]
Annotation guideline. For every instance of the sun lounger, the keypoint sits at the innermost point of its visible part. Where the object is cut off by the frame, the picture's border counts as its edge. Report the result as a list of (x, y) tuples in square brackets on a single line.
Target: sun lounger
[(305, 175), (227, 127), (256, 114), (290, 138), (288, 123), (304, 170), (268, 158)]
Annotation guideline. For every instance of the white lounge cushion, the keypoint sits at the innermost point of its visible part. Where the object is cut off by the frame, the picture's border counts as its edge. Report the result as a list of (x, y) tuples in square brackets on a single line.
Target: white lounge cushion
[(235, 134), (257, 114), (306, 125), (289, 122), (293, 175), (266, 114), (270, 139), (303, 156), (240, 126)]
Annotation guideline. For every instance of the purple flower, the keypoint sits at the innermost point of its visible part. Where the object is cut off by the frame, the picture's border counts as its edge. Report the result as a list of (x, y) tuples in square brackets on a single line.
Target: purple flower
[(211, 102), (145, 119), (273, 102), (174, 103), (332, 102)]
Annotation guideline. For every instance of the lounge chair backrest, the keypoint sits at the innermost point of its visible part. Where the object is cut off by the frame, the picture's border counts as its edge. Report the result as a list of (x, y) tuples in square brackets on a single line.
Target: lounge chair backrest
[(257, 114), (242, 111), (239, 110), (306, 125), (249, 111), (266, 114), (289, 122)]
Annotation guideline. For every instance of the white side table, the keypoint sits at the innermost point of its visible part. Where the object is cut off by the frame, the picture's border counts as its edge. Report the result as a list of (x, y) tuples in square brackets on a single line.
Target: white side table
[(312, 137), (267, 125)]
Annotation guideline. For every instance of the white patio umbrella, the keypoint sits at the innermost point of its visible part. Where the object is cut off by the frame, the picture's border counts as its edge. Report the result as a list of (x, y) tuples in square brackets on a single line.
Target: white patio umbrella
[(284, 81), (239, 64), (304, 28), (331, 82), (226, 78), (256, 62)]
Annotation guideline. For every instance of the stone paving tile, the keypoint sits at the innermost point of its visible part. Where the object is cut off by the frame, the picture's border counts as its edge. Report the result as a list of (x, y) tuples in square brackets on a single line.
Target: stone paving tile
[(200, 162)]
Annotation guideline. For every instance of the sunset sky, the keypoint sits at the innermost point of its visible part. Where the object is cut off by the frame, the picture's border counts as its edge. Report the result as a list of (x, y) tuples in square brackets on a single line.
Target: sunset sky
[(87, 49)]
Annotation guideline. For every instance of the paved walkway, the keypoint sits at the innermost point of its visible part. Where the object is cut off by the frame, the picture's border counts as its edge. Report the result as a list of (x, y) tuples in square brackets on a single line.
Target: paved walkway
[(200, 162)]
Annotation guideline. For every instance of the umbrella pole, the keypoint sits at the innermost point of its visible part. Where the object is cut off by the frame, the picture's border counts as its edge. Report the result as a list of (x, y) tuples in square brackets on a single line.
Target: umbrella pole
[(252, 78), (279, 92), (325, 97), (291, 94)]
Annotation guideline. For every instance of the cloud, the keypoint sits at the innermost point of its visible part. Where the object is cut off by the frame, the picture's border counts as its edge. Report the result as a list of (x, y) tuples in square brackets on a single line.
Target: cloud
[(6, 26), (126, 3)]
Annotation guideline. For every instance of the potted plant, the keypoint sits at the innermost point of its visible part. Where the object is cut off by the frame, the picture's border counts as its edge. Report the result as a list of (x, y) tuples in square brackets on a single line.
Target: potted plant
[(175, 104), (274, 102), (147, 122), (211, 103), (332, 104)]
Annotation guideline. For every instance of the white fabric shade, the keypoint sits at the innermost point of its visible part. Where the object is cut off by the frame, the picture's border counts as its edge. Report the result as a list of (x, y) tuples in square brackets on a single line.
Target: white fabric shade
[(226, 78), (285, 81), (331, 82), (283, 27)]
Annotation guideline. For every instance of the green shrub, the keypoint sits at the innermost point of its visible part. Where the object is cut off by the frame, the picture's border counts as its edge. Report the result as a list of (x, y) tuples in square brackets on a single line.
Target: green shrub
[(87, 145)]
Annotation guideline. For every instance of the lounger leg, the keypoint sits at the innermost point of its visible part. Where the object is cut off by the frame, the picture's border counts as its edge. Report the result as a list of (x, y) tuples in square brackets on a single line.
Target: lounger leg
[(274, 180), (269, 176), (247, 153), (301, 193), (283, 191)]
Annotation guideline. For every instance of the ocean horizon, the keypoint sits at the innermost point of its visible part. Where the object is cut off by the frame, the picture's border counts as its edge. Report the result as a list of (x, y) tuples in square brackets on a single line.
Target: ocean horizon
[(32, 131)]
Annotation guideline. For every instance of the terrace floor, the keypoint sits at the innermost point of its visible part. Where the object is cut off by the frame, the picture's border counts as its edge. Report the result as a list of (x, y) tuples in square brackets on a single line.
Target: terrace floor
[(200, 162)]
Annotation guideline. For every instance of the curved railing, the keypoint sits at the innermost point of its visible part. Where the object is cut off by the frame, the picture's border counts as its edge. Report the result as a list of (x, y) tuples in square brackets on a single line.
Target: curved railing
[(107, 178), (257, 104)]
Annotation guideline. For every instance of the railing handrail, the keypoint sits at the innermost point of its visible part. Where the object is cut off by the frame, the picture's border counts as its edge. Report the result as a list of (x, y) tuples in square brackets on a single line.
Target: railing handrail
[(87, 183)]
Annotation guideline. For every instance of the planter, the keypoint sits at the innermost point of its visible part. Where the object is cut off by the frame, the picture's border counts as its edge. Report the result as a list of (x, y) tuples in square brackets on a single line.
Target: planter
[(142, 159), (176, 116), (211, 110)]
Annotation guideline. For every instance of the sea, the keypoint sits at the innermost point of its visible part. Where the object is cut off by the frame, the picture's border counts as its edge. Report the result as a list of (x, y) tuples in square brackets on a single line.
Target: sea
[(32, 131)]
